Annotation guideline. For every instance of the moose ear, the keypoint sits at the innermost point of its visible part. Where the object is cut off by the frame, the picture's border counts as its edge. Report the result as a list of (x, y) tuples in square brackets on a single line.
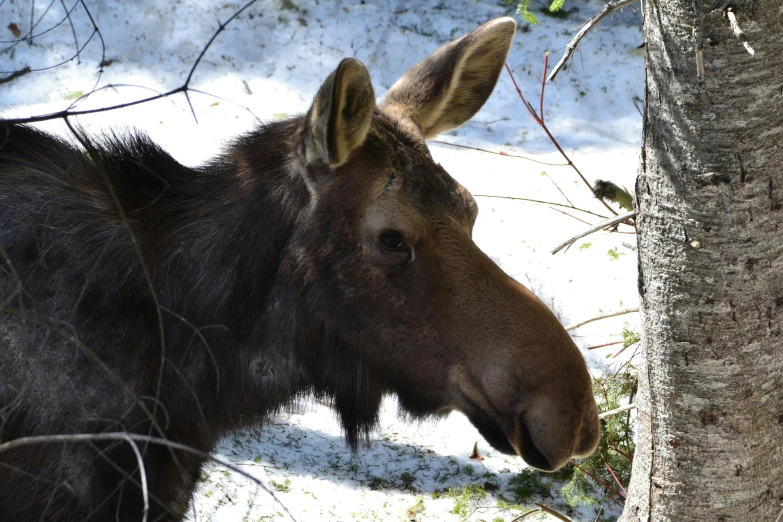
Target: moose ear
[(447, 88), (338, 121)]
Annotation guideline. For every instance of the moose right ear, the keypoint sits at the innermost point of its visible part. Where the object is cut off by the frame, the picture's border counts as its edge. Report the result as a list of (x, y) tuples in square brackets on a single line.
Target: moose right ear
[(446, 89), (339, 119)]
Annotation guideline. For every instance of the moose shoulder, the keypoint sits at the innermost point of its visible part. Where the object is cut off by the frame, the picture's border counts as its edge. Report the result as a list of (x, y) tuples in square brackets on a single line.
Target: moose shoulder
[(327, 254)]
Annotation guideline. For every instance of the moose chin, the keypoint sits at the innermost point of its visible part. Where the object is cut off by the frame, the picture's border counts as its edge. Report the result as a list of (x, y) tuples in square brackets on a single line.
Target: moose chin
[(327, 255)]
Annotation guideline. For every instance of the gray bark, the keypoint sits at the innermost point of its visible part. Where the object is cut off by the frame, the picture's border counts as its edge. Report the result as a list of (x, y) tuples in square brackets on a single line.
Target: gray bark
[(710, 197)]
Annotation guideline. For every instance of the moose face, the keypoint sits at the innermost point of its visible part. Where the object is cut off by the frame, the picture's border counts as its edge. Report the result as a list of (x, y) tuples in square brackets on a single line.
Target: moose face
[(386, 255)]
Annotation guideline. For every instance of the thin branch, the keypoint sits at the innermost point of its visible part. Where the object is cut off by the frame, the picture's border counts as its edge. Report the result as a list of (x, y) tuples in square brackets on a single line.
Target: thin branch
[(143, 473), (501, 153), (589, 24), (616, 480), (597, 346), (621, 409), (184, 88), (600, 226), (554, 141), (92, 437), (525, 514), (14, 75), (569, 215), (540, 202), (601, 482), (605, 316), (559, 516)]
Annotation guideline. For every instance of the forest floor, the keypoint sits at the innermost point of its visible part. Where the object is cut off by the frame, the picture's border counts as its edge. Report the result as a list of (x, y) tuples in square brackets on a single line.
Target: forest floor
[(268, 63)]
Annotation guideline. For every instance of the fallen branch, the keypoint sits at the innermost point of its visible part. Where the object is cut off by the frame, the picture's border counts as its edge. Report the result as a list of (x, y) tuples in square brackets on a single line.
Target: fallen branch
[(526, 513), (621, 409), (605, 316), (600, 226), (559, 516), (589, 24), (14, 75)]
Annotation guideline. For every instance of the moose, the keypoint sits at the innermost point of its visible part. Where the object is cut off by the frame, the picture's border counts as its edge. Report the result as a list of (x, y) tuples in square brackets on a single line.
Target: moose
[(326, 255)]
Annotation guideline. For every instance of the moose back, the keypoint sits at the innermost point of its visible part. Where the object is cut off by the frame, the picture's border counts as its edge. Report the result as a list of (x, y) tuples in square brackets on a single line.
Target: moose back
[(325, 255)]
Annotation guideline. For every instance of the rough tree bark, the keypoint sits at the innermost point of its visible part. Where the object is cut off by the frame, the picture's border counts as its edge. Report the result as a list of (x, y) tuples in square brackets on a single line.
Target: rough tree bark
[(710, 196)]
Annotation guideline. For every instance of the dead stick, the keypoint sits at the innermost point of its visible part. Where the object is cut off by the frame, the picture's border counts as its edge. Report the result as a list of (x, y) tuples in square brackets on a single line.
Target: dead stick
[(616, 411), (589, 24), (526, 513), (600, 226), (501, 153), (605, 316), (547, 509)]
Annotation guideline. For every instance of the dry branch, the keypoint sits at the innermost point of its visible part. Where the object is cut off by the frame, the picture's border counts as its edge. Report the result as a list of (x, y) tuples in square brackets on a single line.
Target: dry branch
[(589, 24), (605, 316), (621, 409), (600, 226)]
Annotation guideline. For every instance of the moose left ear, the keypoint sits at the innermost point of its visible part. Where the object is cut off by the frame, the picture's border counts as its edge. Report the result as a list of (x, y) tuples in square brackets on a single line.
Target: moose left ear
[(338, 121), (446, 89)]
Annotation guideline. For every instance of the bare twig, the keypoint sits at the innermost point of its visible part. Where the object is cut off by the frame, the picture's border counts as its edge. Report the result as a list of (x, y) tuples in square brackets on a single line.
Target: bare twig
[(554, 141), (14, 75), (525, 514), (540, 202), (601, 482), (143, 473), (605, 316), (501, 153), (616, 480), (569, 215), (604, 345), (621, 409), (559, 516), (92, 437), (600, 226), (184, 88), (589, 24)]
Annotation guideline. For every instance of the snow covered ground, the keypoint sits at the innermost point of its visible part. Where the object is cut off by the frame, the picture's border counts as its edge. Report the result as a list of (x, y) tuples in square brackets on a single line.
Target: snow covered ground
[(269, 63)]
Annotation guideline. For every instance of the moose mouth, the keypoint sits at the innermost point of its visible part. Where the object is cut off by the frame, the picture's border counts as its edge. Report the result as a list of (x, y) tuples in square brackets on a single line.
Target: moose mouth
[(498, 439)]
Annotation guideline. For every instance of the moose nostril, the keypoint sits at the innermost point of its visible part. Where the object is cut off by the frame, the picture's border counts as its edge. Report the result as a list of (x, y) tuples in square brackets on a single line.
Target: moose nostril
[(530, 451)]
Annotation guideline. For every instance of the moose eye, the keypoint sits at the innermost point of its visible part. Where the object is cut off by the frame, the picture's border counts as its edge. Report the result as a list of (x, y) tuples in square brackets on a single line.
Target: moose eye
[(393, 241)]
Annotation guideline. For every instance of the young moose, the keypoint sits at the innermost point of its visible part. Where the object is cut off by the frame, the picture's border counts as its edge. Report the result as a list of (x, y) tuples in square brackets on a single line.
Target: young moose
[(327, 254)]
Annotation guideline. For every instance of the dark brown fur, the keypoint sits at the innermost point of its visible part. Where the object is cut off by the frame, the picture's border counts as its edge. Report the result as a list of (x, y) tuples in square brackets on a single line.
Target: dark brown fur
[(268, 274)]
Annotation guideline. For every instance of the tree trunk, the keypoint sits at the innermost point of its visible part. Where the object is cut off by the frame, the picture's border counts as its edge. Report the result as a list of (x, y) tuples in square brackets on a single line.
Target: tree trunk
[(710, 197)]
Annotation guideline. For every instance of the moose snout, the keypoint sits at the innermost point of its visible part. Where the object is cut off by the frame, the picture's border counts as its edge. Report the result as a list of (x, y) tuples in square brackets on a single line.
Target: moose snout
[(550, 435)]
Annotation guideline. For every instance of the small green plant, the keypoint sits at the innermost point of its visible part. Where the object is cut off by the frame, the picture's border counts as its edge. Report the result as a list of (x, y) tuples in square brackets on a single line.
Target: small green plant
[(524, 12), (529, 485), (283, 487), (416, 509), (465, 499), (614, 255), (585, 246)]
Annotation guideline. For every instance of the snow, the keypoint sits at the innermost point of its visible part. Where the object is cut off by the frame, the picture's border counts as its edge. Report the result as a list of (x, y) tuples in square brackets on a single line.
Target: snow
[(269, 62)]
